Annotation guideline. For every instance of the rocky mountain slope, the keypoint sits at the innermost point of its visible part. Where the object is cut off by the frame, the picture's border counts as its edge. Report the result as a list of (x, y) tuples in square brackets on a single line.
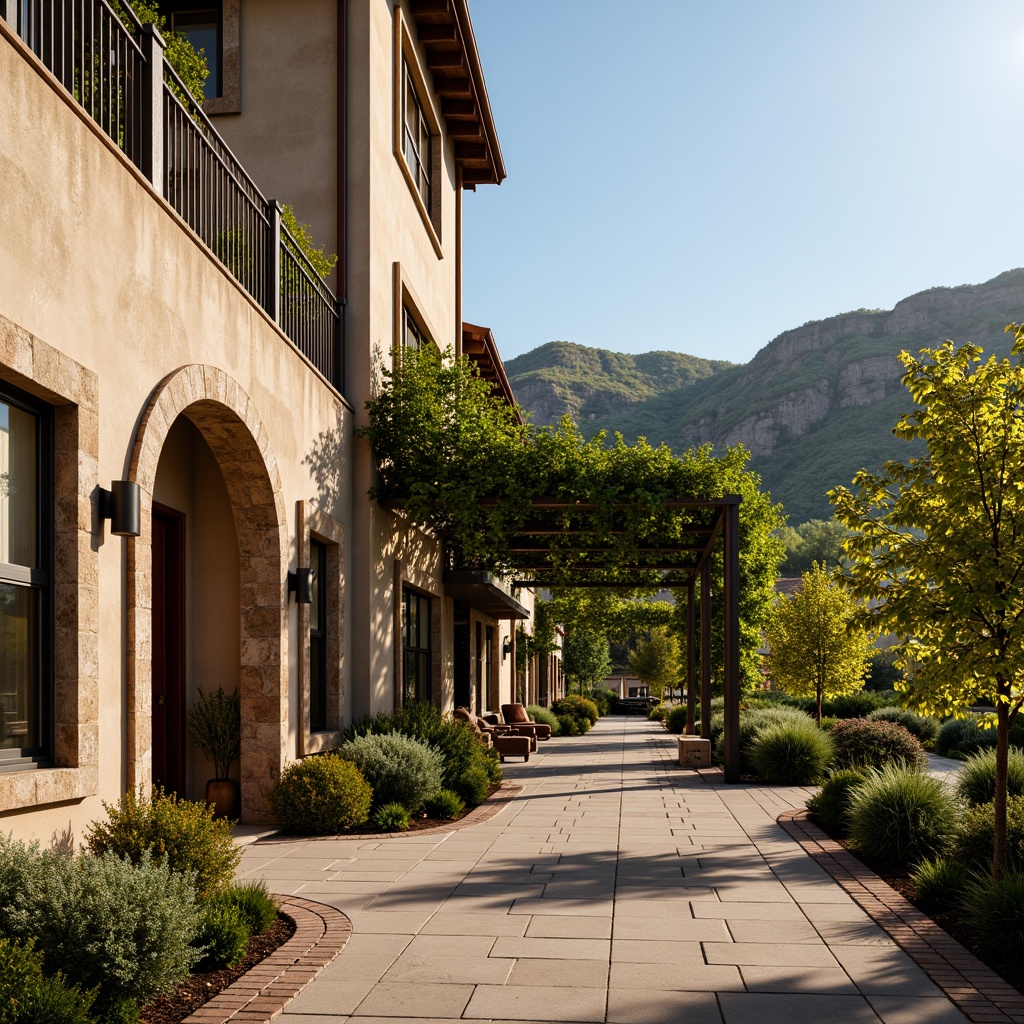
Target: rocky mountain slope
[(815, 405)]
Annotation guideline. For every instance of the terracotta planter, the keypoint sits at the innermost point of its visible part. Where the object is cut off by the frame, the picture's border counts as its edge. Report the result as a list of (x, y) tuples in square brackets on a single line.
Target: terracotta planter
[(225, 795)]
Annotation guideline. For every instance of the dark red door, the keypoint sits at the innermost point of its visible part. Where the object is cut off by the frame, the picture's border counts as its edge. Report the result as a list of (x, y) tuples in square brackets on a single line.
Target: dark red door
[(168, 649)]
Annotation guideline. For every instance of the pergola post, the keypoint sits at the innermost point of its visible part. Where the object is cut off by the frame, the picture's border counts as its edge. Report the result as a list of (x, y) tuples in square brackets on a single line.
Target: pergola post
[(691, 663), (731, 537), (705, 651)]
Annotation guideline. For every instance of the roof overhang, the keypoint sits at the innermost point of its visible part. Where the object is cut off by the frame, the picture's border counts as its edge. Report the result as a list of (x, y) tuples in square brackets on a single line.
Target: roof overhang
[(479, 345), (446, 33), (483, 592)]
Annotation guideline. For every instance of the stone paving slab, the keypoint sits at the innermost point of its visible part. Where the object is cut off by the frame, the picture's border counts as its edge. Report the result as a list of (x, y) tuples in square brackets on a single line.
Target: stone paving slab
[(617, 888)]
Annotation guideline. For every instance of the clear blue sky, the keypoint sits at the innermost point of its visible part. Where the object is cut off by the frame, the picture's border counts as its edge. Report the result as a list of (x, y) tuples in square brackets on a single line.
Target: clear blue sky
[(701, 175)]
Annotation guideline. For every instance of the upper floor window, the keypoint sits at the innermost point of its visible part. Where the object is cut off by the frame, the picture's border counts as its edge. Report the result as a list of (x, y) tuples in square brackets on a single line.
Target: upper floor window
[(26, 541), (416, 138), (412, 335), (202, 26)]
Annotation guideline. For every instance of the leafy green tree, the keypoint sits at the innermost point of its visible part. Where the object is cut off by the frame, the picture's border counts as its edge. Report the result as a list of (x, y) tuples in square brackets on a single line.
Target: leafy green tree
[(818, 540), (816, 646), (938, 543), (585, 658), (656, 662)]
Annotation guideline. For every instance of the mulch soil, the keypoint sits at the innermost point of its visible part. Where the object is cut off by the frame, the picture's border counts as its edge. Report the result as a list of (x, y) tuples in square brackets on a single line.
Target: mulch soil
[(954, 924), (198, 988)]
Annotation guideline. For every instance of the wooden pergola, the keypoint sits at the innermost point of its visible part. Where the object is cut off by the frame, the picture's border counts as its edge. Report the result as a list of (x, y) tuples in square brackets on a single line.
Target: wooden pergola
[(538, 556)]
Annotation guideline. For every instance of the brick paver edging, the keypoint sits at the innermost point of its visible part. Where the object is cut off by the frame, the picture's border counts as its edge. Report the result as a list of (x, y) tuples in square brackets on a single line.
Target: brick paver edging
[(493, 805), (260, 994), (976, 989)]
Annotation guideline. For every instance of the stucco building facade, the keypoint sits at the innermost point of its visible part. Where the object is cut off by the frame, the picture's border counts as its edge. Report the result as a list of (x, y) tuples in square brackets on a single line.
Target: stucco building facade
[(158, 329)]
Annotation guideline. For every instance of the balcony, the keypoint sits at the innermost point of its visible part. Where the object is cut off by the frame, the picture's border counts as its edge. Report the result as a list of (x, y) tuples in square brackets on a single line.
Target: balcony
[(117, 73)]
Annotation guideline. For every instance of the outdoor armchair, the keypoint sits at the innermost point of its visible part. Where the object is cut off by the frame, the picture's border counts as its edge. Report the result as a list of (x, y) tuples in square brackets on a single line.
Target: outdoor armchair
[(506, 742), (516, 716)]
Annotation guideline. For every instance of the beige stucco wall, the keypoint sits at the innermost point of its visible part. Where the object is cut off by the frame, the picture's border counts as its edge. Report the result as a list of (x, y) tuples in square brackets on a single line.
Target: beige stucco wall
[(96, 266)]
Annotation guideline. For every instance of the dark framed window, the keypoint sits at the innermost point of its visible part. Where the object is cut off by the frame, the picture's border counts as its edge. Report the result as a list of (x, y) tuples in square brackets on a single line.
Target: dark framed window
[(203, 26), (412, 335), (416, 653), (26, 558), (318, 638), (416, 138)]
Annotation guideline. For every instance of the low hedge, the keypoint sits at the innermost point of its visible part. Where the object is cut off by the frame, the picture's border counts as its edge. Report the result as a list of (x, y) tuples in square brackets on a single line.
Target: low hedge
[(321, 795), (924, 729)]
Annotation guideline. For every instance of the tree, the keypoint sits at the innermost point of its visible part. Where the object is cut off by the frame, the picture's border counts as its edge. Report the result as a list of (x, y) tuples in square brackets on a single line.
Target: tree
[(655, 661), (818, 540), (938, 546), (585, 658), (816, 648)]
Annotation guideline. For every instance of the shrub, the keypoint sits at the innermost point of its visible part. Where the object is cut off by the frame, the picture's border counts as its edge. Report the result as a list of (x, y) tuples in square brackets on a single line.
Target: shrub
[(183, 833), (860, 741), (604, 699), (827, 723), (103, 921), (391, 817), (715, 729), (469, 767), (254, 903), (223, 937), (939, 885), (583, 726), (791, 753), (964, 735), (577, 706), (400, 769), (567, 726), (675, 719), (445, 805), (975, 836), (900, 815), (543, 716), (831, 805), (321, 795), (753, 722), (923, 729), (853, 705), (27, 996), (976, 780), (996, 910), (658, 713)]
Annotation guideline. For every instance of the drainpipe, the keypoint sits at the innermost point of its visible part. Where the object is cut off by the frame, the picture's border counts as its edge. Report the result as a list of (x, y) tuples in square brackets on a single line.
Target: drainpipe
[(342, 154)]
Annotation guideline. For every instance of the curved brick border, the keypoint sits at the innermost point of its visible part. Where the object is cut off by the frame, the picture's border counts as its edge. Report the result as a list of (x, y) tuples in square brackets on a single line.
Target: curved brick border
[(260, 994), (493, 805), (981, 995)]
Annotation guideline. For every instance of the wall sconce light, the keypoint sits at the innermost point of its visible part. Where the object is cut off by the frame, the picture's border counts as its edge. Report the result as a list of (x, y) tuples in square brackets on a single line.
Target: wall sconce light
[(300, 583), (121, 505), (506, 647)]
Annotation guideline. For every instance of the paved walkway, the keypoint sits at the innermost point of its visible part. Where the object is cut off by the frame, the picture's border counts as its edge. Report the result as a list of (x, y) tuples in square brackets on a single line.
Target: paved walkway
[(619, 887)]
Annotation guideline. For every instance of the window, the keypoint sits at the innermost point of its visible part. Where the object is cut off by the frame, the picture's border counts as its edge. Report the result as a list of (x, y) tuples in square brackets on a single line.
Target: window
[(415, 645), (412, 336), (202, 26), (416, 138), (318, 638), (26, 541)]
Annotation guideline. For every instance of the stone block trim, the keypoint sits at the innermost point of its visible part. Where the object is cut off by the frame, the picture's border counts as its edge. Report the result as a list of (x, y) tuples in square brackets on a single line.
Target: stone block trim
[(980, 994), (29, 363), (227, 418), (321, 933)]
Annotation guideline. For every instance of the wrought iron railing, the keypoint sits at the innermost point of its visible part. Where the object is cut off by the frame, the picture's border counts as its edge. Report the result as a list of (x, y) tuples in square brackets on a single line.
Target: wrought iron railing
[(115, 69)]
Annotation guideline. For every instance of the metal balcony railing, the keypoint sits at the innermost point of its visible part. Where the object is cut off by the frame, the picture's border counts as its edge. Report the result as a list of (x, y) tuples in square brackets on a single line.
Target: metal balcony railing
[(114, 67)]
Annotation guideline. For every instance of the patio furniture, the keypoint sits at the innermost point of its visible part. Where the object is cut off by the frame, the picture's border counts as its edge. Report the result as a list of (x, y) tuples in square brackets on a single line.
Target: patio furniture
[(516, 715), (506, 742)]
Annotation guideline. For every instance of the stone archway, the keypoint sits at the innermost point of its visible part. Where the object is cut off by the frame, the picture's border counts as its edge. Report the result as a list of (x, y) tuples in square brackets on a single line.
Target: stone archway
[(224, 414)]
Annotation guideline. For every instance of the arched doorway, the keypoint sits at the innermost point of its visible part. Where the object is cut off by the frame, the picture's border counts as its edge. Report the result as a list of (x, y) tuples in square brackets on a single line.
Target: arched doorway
[(202, 461)]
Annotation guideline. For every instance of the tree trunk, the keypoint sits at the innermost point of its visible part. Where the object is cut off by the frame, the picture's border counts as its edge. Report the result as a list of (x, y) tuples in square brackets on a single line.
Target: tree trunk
[(1002, 757), (818, 695)]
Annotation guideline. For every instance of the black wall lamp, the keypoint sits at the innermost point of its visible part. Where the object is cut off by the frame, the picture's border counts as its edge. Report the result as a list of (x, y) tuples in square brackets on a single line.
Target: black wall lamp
[(506, 647), (122, 506), (300, 583)]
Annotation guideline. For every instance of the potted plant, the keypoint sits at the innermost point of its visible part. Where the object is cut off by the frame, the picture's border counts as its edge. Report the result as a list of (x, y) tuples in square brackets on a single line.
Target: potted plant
[(215, 727)]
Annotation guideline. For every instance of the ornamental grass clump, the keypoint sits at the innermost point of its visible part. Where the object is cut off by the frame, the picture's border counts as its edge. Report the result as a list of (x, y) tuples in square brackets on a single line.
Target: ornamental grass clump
[(445, 805), (923, 728), (223, 937), (862, 742), (831, 804), (391, 817), (752, 723), (254, 903), (182, 833), (996, 911), (976, 780), (543, 716), (962, 736), (27, 996), (940, 884), (975, 836), (400, 769), (791, 753), (899, 815), (321, 795)]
